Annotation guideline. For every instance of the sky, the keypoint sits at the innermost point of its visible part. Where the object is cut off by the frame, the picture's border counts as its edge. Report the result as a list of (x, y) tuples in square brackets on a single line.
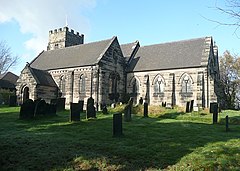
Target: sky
[(25, 24)]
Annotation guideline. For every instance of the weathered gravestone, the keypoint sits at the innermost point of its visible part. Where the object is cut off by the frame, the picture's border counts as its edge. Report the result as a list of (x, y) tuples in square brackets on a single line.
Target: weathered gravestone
[(60, 103), (215, 113), (113, 105), (91, 112), (145, 110), (75, 109), (81, 103), (227, 126), (162, 104), (27, 109), (12, 101), (191, 105), (117, 125), (128, 110), (40, 108), (187, 107)]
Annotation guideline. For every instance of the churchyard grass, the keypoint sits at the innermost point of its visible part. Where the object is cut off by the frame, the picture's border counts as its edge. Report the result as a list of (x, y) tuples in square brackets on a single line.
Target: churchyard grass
[(170, 140)]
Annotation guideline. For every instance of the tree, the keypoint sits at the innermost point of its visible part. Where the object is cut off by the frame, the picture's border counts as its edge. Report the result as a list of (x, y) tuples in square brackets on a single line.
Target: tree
[(7, 60), (232, 10), (230, 79)]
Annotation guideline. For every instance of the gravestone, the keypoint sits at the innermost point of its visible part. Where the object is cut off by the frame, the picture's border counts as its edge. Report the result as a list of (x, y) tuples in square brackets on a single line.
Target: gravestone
[(227, 126), (140, 101), (127, 113), (128, 110), (27, 109), (191, 105), (40, 108), (215, 114), (81, 103), (75, 109), (145, 111), (51, 109), (90, 112), (12, 101), (165, 104), (187, 107), (104, 109), (60, 103), (117, 125), (212, 106), (162, 104), (113, 105)]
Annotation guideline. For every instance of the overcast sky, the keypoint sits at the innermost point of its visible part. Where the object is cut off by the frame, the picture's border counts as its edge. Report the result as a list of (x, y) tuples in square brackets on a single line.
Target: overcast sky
[(24, 24)]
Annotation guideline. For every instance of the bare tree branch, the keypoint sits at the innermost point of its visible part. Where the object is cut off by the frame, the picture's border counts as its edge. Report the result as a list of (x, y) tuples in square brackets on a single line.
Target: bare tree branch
[(7, 60)]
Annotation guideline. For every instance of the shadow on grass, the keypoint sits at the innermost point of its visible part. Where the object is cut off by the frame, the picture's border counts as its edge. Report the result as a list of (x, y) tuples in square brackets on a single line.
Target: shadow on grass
[(55, 143)]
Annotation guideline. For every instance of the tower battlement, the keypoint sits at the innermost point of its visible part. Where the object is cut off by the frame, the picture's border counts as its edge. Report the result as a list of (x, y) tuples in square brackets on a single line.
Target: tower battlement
[(64, 37)]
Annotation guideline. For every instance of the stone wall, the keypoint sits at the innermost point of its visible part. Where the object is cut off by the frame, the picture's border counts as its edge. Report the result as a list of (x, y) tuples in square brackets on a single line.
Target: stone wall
[(201, 86)]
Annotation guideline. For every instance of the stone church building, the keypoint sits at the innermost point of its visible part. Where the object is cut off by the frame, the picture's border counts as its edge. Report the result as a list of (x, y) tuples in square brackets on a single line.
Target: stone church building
[(174, 72)]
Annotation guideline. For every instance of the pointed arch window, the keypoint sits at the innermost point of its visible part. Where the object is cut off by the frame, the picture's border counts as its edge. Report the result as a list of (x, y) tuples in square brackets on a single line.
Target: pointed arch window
[(135, 86), (82, 85), (62, 84), (159, 85), (186, 84), (114, 79)]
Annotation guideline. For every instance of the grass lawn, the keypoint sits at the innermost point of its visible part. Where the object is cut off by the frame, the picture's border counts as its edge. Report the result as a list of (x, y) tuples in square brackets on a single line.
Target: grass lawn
[(171, 140)]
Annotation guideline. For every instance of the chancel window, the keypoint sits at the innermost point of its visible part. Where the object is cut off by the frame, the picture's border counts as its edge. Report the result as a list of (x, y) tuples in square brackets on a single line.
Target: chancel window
[(186, 84), (82, 84), (62, 84), (159, 85)]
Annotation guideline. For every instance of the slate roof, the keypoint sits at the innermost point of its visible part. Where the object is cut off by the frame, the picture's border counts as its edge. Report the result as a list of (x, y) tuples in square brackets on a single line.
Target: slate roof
[(8, 80), (127, 49), (181, 54), (9, 76), (79, 55), (43, 77)]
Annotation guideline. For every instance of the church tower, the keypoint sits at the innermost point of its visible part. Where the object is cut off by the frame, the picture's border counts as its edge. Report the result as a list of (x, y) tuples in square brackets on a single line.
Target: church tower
[(62, 38)]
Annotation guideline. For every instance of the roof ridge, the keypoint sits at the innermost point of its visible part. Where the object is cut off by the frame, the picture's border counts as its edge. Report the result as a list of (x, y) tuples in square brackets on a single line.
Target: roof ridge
[(178, 41), (76, 46), (135, 42)]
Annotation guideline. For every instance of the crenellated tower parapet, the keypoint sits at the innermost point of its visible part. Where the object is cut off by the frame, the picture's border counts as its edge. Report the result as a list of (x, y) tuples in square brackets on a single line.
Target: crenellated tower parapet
[(64, 37)]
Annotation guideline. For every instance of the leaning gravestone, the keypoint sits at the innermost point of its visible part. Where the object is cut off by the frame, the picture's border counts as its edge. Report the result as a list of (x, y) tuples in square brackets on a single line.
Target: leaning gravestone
[(27, 109), (191, 105), (40, 108), (90, 112), (187, 107), (117, 125), (75, 110), (12, 101), (145, 111)]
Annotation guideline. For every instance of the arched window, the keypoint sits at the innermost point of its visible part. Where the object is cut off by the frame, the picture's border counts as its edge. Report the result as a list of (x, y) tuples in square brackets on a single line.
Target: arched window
[(82, 84), (135, 86), (113, 86), (186, 84), (62, 84), (159, 85)]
